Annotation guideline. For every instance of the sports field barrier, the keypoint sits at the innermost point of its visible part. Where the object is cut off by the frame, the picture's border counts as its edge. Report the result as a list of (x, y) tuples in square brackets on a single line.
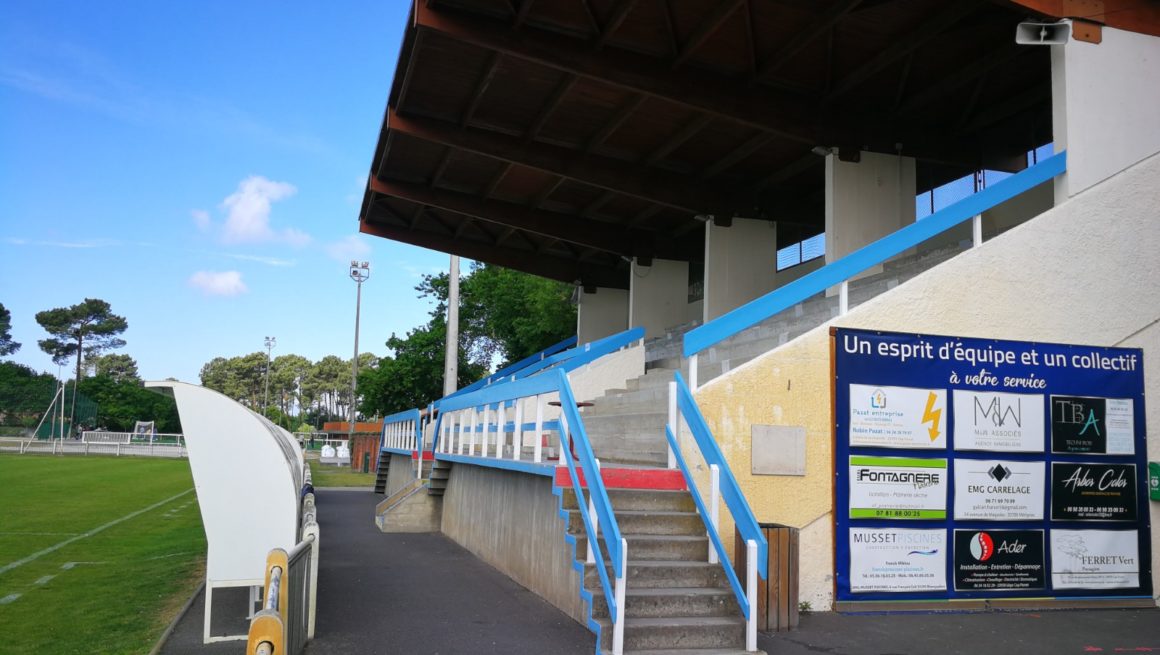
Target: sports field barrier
[(286, 621)]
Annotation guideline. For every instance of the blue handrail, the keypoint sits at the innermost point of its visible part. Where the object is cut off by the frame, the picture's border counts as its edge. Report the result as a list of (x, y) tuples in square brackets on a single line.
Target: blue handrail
[(536, 385), (730, 490), (513, 368), (574, 358), (709, 529), (782, 298)]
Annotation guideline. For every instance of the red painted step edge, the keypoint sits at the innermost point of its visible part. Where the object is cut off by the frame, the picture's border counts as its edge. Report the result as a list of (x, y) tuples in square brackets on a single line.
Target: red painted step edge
[(614, 478)]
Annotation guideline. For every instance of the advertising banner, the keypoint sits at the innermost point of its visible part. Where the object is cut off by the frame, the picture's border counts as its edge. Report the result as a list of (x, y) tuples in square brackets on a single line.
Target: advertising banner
[(994, 560), (898, 488), (1093, 492), (897, 560), (897, 417), (1094, 559), (998, 422), (993, 448), (998, 490), (1098, 426)]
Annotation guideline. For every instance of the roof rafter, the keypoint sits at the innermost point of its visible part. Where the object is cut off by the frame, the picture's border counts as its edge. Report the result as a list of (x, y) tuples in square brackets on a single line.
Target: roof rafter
[(603, 172)]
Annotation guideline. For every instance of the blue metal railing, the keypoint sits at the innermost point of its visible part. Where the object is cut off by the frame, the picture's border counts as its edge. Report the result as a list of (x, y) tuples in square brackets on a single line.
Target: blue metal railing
[(730, 490), (835, 273), (572, 432), (402, 431), (518, 366), (574, 358)]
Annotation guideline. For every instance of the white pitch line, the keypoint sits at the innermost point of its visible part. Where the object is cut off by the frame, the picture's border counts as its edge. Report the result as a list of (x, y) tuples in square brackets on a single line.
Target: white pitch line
[(18, 563)]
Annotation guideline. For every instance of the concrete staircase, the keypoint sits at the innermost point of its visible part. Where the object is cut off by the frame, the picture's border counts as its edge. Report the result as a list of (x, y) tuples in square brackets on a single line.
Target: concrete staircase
[(626, 426), (381, 472), (675, 601), (438, 473)]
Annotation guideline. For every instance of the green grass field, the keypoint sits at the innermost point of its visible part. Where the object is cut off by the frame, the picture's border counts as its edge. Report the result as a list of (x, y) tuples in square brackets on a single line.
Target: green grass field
[(338, 476), (79, 572)]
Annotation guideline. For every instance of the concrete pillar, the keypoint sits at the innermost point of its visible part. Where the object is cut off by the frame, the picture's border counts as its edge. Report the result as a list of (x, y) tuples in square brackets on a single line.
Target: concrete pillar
[(1105, 99), (866, 201), (659, 296), (740, 264), (601, 314)]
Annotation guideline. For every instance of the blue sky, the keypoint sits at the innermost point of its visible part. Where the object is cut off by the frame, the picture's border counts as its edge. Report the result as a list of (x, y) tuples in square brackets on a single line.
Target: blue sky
[(199, 165)]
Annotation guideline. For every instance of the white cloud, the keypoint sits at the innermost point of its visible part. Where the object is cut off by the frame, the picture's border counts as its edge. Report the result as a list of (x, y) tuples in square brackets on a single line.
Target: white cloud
[(83, 244), (248, 212), (201, 219), (218, 283), (268, 261), (348, 248)]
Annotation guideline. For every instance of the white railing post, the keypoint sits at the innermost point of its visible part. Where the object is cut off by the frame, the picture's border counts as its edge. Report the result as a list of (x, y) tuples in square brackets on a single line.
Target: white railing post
[(751, 595), (500, 429), (419, 469), (538, 440), (977, 231), (692, 375), (486, 429), (594, 518), (518, 430), (474, 422), (844, 298), (621, 583), (714, 505), (673, 417), (313, 588), (463, 430)]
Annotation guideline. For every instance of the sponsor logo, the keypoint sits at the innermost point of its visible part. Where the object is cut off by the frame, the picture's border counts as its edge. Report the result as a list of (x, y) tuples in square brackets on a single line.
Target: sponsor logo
[(982, 547), (998, 472), (878, 399), (1078, 413), (918, 479), (1000, 412)]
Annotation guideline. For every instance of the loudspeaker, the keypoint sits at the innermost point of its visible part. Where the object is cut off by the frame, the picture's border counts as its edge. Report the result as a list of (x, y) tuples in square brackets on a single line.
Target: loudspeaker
[(1042, 33)]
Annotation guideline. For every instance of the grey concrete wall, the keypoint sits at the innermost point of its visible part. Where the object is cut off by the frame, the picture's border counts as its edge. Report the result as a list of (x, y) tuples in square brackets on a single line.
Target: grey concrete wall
[(400, 474), (510, 520)]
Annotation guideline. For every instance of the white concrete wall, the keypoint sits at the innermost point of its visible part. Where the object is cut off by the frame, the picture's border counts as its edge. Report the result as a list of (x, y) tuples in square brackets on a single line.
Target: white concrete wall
[(1045, 280), (601, 314), (1105, 106), (609, 372), (866, 201), (740, 264), (659, 296)]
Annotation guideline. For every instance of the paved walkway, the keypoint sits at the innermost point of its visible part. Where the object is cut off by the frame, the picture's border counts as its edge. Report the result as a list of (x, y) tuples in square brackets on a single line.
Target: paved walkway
[(423, 594), (404, 593)]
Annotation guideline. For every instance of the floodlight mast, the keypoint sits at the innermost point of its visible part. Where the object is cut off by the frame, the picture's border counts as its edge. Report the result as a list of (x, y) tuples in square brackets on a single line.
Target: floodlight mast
[(359, 272), (270, 343)]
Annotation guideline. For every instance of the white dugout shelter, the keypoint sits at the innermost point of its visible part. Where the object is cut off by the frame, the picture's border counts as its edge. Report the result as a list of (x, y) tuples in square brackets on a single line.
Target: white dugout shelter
[(248, 474)]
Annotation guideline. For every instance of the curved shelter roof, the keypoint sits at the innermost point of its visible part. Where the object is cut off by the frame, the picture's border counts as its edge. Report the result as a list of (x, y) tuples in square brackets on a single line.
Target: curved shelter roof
[(248, 474), (561, 137)]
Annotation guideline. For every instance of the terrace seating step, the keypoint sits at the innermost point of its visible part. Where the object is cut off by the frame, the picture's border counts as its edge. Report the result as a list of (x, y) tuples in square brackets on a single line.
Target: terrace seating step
[(704, 632)]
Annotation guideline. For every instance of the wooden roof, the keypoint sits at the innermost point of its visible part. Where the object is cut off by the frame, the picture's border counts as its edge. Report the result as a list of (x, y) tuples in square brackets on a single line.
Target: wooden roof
[(564, 137)]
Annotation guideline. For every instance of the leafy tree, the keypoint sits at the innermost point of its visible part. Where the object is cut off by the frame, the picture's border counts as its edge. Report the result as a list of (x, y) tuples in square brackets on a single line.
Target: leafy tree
[(86, 329), (24, 394), (121, 403), (119, 367), (506, 313), (7, 345)]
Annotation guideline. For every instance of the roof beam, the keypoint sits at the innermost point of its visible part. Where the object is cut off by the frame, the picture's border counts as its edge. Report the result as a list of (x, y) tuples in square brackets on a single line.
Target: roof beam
[(627, 70), (614, 21), (805, 36), (553, 101), (904, 44), (480, 88), (580, 231), (622, 114), (708, 27), (547, 266), (602, 172)]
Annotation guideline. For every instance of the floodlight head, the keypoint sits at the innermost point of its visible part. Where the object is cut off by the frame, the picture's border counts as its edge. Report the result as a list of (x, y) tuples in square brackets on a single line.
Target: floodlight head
[(1031, 33)]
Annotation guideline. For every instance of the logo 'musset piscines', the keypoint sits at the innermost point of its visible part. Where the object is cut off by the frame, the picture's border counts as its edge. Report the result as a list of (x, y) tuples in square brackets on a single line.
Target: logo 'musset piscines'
[(983, 546)]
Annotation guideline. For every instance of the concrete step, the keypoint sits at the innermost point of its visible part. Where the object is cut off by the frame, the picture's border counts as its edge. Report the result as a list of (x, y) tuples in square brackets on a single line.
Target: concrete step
[(640, 500), (654, 574), (648, 522), (614, 401), (626, 422), (655, 378), (671, 602), (653, 547), (677, 633), (689, 651)]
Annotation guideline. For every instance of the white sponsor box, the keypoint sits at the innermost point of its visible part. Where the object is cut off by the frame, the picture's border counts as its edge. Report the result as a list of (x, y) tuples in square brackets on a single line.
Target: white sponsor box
[(998, 490), (897, 417), (897, 560), (1095, 559), (996, 421)]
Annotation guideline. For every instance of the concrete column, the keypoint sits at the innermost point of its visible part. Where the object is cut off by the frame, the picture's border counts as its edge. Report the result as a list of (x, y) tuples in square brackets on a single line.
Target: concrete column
[(659, 296), (740, 264), (601, 314), (1105, 101), (866, 201)]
